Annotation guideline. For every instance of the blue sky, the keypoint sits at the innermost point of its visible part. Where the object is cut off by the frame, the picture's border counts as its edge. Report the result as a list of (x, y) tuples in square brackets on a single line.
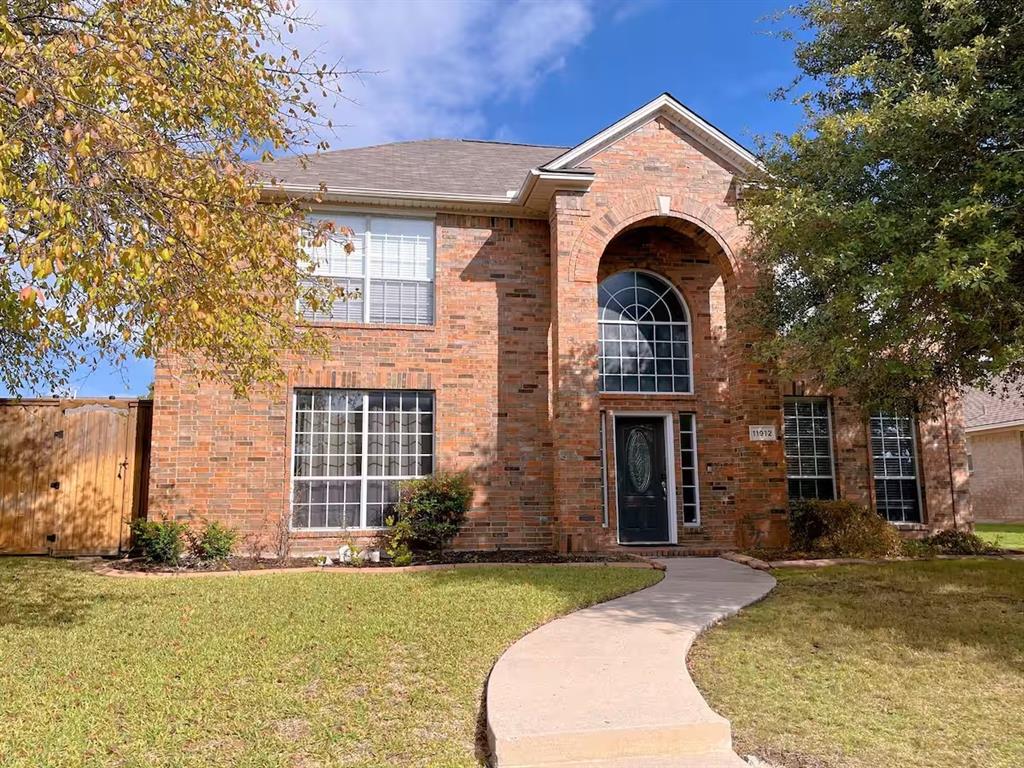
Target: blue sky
[(548, 72)]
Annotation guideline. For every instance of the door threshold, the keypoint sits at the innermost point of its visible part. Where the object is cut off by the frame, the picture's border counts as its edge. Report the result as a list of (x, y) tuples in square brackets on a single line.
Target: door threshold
[(647, 544)]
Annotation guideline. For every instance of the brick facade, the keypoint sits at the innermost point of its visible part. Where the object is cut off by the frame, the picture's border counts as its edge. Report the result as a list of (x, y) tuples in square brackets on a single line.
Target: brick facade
[(512, 361), (997, 482)]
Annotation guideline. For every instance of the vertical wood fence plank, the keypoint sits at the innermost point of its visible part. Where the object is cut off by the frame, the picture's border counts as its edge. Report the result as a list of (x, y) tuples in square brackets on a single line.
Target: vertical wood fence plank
[(98, 452)]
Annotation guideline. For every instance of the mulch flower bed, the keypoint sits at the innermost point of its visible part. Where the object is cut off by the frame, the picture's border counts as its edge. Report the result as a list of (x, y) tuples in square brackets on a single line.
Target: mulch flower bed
[(445, 558)]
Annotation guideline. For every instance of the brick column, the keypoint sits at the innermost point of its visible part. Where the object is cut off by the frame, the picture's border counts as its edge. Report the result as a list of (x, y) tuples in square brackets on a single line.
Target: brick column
[(574, 401)]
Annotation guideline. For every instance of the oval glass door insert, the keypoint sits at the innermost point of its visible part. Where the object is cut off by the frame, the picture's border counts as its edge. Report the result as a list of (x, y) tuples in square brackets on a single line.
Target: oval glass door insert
[(638, 459)]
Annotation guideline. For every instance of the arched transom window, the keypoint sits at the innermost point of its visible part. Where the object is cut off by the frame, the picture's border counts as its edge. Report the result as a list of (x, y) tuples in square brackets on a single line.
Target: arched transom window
[(644, 334)]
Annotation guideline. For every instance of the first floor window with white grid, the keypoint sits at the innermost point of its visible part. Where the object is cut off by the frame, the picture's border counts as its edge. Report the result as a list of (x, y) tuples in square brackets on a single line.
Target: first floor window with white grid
[(688, 460), (894, 458), (388, 271), (807, 437), (351, 451)]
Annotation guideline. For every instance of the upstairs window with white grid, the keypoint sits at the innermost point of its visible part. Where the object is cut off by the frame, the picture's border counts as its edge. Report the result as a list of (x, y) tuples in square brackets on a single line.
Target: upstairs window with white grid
[(389, 270), (894, 458), (644, 335), (807, 437)]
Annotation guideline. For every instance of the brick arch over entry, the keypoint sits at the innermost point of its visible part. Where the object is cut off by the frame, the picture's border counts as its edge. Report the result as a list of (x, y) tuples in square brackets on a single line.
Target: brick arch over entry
[(715, 228)]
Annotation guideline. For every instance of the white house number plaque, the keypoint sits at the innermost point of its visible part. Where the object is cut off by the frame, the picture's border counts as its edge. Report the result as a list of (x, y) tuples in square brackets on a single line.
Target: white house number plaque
[(762, 432)]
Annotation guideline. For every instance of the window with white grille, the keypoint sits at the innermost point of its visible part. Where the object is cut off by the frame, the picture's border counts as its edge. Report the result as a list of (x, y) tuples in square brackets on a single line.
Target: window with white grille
[(807, 437), (894, 458), (688, 461), (644, 335), (351, 451), (389, 270)]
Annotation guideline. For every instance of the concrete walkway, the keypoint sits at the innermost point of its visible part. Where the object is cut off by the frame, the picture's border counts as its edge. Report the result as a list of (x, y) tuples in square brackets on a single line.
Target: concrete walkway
[(608, 686)]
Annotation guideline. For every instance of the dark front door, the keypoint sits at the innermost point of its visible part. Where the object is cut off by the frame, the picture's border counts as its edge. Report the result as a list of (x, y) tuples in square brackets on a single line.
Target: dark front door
[(642, 482)]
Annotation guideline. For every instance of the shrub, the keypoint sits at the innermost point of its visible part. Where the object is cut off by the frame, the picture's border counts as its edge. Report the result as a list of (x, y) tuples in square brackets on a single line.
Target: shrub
[(396, 541), (433, 509), (918, 548), (214, 542), (841, 529), (952, 542), (162, 541)]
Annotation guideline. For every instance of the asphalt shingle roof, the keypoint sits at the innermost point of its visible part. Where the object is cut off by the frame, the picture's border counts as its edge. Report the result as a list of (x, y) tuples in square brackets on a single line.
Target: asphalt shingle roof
[(984, 410), (444, 166)]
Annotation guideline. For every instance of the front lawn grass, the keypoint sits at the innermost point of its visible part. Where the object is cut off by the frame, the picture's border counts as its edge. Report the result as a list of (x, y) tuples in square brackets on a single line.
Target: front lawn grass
[(291, 671), (902, 665), (1003, 535)]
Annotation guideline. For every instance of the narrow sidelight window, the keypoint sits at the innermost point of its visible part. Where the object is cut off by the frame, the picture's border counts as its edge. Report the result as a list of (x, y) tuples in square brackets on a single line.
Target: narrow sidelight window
[(352, 449), (807, 436), (644, 335), (688, 460), (391, 267), (894, 458)]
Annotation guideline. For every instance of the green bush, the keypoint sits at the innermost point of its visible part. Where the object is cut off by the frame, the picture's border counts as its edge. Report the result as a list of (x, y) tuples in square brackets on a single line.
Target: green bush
[(841, 529), (396, 541), (213, 542), (433, 509), (918, 548), (162, 541), (952, 542)]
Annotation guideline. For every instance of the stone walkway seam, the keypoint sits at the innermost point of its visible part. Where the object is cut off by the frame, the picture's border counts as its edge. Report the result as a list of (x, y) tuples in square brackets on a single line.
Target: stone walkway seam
[(608, 686)]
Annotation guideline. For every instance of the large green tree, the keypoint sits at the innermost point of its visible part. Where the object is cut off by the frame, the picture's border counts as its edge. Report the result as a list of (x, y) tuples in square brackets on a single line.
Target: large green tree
[(891, 224), (130, 223)]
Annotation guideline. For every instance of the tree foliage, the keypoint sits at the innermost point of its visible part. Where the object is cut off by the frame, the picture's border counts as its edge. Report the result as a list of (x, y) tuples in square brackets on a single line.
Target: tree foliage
[(891, 222), (130, 223)]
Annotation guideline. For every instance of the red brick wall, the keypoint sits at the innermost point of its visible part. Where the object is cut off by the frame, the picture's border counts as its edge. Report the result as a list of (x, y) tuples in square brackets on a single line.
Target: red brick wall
[(939, 458), (486, 358), (656, 177), (512, 360), (997, 483)]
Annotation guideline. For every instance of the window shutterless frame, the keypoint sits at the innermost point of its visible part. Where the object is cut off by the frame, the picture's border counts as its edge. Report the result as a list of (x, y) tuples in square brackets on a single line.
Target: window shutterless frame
[(804, 457), (645, 336), (381, 481), (906, 434), (396, 284), (689, 465)]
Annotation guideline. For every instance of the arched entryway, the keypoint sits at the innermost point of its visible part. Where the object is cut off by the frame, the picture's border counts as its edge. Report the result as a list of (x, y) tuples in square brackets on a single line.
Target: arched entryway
[(662, 374)]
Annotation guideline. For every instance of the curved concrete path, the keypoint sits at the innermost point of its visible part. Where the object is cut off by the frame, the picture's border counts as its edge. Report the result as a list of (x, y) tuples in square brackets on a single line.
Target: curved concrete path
[(608, 686)]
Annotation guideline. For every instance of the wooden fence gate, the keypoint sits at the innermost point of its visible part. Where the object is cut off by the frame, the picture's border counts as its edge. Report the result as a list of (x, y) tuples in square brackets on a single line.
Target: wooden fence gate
[(73, 474)]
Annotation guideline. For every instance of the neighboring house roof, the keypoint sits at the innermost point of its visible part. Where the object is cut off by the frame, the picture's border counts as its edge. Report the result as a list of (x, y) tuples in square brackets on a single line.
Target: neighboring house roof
[(982, 410), (481, 175), (436, 166)]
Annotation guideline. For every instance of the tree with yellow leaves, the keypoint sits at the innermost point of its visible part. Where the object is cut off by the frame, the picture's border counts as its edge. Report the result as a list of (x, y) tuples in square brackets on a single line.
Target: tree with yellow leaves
[(130, 223)]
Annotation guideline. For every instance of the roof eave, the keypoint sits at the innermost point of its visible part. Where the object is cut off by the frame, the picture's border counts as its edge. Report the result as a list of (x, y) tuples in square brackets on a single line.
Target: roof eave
[(532, 197), (995, 426)]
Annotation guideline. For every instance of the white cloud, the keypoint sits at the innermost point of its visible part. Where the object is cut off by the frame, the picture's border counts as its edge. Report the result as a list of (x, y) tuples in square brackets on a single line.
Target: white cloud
[(437, 63)]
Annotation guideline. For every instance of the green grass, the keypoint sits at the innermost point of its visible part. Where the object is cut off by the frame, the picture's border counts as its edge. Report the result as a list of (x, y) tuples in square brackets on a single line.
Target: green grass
[(905, 664), (1005, 535), (298, 671)]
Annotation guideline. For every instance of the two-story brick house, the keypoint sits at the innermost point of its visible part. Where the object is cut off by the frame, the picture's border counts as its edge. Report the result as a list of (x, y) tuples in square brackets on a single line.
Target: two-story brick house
[(561, 322)]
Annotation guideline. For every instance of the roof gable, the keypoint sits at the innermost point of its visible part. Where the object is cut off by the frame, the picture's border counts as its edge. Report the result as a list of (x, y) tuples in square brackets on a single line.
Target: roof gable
[(668, 107)]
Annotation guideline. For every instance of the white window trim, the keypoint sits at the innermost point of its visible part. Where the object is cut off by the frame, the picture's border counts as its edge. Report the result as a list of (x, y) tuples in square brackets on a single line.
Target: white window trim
[(364, 480), (696, 469), (689, 338), (916, 477), (366, 278), (831, 444), (673, 516)]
